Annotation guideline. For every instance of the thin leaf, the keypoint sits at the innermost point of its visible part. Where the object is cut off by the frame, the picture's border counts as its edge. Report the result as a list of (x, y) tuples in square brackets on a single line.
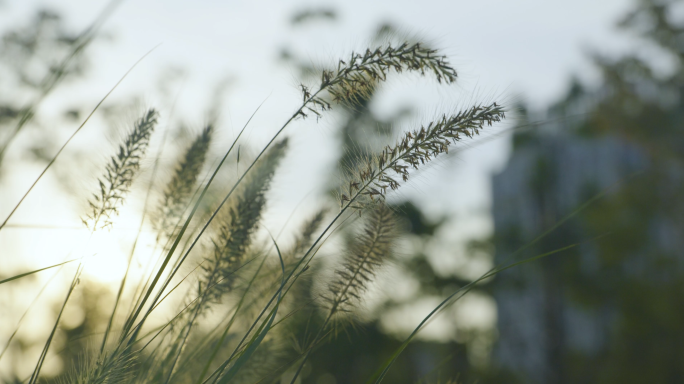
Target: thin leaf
[(19, 276), (258, 337)]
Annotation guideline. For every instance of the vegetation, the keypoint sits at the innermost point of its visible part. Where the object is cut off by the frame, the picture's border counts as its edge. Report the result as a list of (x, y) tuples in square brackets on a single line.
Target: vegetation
[(238, 321), (225, 301), (627, 276)]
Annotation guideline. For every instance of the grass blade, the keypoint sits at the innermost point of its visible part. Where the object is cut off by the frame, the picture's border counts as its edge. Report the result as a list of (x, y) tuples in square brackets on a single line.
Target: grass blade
[(43, 354), (259, 336), (380, 374), (129, 324), (19, 276), (465, 289)]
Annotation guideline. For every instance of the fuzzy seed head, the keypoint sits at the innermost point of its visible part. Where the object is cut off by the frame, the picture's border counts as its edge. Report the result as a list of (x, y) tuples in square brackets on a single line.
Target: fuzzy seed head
[(120, 172)]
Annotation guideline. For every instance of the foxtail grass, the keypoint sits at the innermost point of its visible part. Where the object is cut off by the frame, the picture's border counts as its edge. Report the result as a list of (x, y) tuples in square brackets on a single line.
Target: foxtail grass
[(120, 172), (180, 188), (241, 287)]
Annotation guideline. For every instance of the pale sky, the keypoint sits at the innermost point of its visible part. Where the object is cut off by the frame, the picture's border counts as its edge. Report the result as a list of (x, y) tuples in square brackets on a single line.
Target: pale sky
[(510, 51), (504, 50)]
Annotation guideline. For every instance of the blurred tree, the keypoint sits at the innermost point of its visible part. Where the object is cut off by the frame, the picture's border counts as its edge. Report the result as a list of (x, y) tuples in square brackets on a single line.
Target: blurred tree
[(643, 261), (621, 288), (34, 59)]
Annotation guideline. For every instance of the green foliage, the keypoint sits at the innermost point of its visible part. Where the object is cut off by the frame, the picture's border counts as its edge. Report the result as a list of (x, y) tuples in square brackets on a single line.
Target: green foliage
[(628, 271)]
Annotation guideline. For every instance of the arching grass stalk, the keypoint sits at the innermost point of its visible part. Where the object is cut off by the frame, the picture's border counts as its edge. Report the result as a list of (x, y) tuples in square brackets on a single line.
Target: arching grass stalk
[(368, 252), (342, 84), (355, 78), (414, 149), (380, 374), (369, 183)]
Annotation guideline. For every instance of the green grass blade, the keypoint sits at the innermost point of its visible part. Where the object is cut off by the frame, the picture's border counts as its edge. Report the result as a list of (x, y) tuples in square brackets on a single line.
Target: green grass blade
[(128, 326), (259, 336), (19, 276), (229, 325), (380, 374), (273, 139), (43, 354), (21, 319), (465, 289)]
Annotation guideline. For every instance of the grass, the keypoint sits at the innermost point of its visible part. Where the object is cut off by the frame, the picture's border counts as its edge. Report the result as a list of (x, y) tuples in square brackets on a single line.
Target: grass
[(234, 271)]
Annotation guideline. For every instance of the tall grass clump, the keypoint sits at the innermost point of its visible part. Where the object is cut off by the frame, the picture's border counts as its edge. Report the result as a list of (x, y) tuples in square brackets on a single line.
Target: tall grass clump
[(119, 174), (238, 292)]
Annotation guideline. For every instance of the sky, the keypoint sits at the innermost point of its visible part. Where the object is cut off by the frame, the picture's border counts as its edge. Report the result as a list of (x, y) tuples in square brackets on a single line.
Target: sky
[(504, 50), (528, 47)]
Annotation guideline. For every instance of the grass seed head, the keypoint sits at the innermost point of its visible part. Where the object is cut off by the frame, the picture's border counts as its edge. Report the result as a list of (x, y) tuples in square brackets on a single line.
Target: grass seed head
[(120, 172)]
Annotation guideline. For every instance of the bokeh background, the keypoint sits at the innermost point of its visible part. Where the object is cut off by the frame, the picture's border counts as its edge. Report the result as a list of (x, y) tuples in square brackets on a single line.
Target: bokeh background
[(588, 165)]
